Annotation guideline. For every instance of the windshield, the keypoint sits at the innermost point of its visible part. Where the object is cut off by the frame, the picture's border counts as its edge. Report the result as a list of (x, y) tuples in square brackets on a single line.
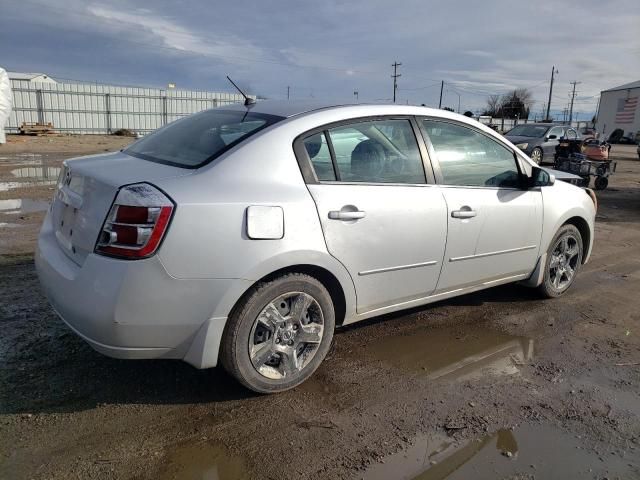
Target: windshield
[(528, 131), (197, 139)]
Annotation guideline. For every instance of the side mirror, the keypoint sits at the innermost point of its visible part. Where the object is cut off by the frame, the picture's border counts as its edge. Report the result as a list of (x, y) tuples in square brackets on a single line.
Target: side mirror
[(552, 137), (541, 178)]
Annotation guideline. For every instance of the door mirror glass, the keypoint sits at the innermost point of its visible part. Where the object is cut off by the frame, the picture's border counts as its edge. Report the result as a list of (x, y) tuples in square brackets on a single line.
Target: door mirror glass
[(552, 137), (541, 178)]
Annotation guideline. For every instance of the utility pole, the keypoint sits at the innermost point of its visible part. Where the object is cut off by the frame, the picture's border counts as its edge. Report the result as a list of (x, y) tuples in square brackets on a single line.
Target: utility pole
[(441, 88), (288, 88), (553, 71), (573, 96), (395, 76)]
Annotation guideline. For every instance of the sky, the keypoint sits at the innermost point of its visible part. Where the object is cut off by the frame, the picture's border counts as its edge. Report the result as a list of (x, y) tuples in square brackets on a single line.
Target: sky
[(328, 49)]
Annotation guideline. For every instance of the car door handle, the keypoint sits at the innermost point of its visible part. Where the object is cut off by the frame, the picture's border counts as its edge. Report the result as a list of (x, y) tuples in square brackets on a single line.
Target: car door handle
[(464, 212), (346, 215)]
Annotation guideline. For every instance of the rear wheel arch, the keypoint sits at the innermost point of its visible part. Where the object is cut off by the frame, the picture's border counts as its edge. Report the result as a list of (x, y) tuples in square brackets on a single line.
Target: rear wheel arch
[(324, 276)]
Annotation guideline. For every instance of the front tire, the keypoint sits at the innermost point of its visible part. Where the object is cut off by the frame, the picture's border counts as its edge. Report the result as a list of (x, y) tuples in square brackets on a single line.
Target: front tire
[(537, 155), (564, 258), (279, 333)]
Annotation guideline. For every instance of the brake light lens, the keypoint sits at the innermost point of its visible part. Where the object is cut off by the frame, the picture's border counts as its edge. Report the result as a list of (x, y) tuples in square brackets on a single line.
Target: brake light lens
[(136, 223)]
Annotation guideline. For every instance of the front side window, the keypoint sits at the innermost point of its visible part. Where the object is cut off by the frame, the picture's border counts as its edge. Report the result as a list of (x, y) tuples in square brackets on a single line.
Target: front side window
[(197, 139), (380, 151), (557, 131), (470, 158)]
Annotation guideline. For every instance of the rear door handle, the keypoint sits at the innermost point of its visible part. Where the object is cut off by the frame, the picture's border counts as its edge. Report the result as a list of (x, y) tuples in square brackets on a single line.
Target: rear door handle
[(464, 212), (346, 215)]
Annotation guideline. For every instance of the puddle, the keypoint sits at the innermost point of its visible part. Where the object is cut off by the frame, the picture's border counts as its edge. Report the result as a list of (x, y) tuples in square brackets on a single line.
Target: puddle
[(30, 170), (203, 461), (440, 353), (536, 450), (16, 206), (45, 175)]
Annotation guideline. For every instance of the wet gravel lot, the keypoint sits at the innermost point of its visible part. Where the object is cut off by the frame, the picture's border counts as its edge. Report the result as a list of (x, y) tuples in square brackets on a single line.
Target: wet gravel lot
[(496, 384)]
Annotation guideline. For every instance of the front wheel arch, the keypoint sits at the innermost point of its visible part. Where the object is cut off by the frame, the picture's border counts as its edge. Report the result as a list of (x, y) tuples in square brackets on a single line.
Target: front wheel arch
[(583, 227)]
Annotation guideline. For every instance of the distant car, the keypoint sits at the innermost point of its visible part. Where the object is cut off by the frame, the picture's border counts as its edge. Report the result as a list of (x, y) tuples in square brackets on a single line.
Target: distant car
[(539, 140), (587, 133), (244, 235)]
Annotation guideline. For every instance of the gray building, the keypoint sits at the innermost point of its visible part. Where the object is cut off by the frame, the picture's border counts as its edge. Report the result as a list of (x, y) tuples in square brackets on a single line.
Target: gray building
[(31, 77), (619, 109)]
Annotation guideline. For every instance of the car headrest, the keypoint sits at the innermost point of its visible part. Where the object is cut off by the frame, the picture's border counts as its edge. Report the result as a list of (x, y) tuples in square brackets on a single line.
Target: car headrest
[(211, 142), (367, 160), (313, 145)]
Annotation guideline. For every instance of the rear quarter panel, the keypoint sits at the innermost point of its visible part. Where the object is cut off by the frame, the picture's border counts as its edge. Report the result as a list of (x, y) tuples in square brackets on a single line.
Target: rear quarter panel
[(208, 235)]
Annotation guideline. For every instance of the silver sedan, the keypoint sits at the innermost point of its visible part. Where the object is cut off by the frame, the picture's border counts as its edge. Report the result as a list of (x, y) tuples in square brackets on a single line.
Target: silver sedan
[(245, 235)]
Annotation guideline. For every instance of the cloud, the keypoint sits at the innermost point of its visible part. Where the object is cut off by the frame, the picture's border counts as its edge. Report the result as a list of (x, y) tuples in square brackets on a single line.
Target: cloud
[(329, 49)]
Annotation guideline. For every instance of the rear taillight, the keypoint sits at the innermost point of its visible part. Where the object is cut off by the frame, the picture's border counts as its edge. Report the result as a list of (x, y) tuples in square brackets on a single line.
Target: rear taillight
[(136, 223)]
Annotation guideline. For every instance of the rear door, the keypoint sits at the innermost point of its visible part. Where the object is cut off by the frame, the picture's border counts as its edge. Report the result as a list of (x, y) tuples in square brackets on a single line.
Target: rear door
[(494, 226), (381, 218)]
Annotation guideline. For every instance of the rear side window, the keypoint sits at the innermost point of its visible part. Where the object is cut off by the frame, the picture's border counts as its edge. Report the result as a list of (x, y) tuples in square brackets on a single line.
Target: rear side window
[(378, 151), (469, 158), (196, 140)]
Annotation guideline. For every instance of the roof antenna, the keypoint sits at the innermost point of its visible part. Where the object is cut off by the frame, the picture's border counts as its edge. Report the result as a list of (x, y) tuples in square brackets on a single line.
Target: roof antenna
[(247, 100)]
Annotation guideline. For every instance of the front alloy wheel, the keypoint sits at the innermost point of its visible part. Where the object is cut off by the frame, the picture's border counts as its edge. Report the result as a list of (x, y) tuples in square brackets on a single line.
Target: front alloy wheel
[(564, 258), (536, 155), (279, 333)]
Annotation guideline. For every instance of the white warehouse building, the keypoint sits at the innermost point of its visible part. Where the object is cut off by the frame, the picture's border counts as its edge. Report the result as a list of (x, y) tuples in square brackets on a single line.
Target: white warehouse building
[(619, 110)]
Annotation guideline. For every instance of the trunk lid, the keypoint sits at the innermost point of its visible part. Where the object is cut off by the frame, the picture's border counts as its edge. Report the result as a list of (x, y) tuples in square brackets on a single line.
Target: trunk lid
[(85, 191)]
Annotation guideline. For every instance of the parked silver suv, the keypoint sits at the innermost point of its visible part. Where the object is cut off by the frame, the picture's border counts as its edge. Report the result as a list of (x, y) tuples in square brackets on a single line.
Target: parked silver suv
[(245, 235)]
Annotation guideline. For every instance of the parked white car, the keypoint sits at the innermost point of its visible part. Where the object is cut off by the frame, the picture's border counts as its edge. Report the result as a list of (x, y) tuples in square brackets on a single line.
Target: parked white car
[(244, 235)]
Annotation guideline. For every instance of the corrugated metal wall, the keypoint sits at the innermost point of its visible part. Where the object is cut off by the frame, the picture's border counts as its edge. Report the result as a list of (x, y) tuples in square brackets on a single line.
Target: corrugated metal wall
[(89, 108)]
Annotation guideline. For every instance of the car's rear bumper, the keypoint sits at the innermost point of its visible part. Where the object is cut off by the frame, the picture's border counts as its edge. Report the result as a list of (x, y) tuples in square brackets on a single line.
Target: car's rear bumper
[(133, 309)]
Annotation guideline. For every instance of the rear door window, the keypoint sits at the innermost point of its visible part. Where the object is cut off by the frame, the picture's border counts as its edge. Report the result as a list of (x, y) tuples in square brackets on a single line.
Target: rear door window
[(318, 151), (197, 139), (378, 151)]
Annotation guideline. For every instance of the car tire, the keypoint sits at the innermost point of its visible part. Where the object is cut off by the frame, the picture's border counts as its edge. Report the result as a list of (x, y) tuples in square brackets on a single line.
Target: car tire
[(600, 183), (537, 155), (563, 262), (264, 343)]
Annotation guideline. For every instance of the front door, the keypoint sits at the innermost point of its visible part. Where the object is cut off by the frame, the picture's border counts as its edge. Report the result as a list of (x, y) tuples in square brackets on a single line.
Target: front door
[(549, 145), (380, 218), (494, 226)]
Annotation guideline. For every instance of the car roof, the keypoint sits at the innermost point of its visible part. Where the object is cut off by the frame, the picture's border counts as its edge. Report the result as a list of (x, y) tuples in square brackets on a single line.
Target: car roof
[(284, 108)]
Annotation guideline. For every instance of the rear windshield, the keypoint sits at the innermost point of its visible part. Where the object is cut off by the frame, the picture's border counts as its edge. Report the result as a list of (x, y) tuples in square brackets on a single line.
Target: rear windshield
[(197, 139)]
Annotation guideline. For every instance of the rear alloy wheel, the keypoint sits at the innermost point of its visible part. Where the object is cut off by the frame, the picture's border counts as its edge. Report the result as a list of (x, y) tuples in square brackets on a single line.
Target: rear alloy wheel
[(564, 258), (536, 155), (280, 333)]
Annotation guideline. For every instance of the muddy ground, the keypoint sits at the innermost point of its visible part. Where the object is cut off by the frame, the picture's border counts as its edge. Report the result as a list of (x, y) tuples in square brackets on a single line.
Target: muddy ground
[(497, 384)]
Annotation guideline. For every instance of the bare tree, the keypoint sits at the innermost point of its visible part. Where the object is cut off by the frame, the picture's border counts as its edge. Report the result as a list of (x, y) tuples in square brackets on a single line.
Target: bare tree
[(515, 104), (493, 105)]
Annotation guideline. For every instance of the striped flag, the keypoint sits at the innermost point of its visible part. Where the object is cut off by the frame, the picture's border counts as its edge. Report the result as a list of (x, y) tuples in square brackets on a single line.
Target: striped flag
[(626, 111)]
